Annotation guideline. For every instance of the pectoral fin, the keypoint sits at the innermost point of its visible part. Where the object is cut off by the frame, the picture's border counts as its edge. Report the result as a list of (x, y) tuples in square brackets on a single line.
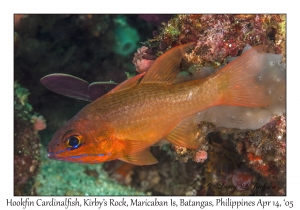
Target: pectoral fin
[(140, 158), (185, 134)]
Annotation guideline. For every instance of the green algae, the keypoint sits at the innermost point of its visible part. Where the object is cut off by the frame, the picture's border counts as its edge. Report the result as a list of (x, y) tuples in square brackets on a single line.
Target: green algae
[(21, 105), (26, 143), (64, 178)]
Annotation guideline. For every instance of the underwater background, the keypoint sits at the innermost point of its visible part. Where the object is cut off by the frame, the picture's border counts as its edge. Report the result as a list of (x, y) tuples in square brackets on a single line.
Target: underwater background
[(105, 48)]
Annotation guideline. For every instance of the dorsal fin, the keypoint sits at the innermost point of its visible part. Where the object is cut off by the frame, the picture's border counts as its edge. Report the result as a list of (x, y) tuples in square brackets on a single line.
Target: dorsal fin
[(127, 83), (98, 89), (166, 67), (67, 85)]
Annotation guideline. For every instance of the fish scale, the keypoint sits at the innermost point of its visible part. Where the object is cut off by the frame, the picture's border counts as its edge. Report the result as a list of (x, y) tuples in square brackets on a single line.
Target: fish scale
[(141, 111)]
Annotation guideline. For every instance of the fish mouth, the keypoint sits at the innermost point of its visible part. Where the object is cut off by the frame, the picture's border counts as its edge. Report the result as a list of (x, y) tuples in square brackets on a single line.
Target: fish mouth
[(55, 155), (51, 155)]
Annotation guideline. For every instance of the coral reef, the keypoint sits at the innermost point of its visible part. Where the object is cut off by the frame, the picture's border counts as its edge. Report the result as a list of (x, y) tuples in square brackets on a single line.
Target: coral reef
[(228, 162), (156, 19), (200, 156), (167, 177), (218, 37), (222, 36), (63, 178), (26, 142), (258, 153)]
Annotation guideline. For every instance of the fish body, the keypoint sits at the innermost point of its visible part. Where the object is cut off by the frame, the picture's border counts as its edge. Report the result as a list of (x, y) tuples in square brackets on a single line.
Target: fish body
[(154, 105)]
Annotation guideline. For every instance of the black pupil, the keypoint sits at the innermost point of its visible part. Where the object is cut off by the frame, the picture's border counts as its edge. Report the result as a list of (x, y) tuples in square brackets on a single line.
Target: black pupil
[(73, 142)]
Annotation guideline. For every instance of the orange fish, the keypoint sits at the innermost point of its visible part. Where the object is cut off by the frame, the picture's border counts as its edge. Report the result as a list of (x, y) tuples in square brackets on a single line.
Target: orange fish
[(155, 105)]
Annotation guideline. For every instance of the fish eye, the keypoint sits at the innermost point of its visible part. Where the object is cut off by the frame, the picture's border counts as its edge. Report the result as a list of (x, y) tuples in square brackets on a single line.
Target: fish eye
[(73, 142)]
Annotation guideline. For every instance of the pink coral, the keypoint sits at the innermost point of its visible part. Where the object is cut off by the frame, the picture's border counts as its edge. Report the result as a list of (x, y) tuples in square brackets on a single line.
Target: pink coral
[(200, 156), (39, 123), (143, 60)]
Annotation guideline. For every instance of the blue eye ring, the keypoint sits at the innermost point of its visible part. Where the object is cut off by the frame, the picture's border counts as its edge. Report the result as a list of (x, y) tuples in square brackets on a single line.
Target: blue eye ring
[(73, 142)]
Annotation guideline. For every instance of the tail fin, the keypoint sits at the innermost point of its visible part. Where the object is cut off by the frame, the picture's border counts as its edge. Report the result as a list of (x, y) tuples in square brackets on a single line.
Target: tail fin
[(239, 81)]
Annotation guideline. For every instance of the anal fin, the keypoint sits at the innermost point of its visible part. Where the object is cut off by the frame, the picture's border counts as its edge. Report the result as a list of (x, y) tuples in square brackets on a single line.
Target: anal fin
[(185, 134), (140, 158)]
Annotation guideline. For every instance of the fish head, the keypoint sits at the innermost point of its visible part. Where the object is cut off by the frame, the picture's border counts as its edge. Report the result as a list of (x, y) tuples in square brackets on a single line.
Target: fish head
[(83, 140)]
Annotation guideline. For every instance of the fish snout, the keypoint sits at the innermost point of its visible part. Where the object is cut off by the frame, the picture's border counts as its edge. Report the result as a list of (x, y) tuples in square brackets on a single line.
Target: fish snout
[(50, 153)]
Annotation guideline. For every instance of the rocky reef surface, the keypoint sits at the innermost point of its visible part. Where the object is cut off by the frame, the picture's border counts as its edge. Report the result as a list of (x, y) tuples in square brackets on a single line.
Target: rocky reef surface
[(27, 123)]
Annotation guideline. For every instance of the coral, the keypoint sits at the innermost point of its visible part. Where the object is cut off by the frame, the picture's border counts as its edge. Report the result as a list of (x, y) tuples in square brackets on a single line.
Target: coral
[(27, 143), (156, 19), (200, 156), (263, 151), (221, 36), (120, 171), (39, 123), (167, 177), (63, 178), (143, 60)]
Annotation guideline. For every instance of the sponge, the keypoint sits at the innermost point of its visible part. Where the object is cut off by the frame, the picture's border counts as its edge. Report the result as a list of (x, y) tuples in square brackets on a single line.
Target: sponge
[(272, 77)]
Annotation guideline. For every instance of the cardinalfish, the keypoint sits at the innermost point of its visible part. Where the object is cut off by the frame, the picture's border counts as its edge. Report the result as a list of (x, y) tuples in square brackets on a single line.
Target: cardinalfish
[(156, 105)]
